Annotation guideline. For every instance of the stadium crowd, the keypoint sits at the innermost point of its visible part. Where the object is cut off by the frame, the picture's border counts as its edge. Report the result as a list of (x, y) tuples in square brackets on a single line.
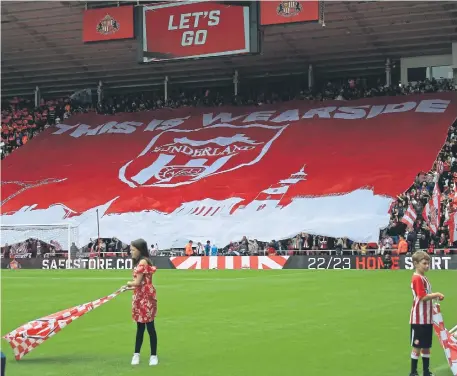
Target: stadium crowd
[(419, 235), (259, 95), (21, 121)]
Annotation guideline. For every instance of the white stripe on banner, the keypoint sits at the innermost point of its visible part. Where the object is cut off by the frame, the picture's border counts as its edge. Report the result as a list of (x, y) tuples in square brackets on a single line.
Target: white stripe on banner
[(229, 263), (213, 262)]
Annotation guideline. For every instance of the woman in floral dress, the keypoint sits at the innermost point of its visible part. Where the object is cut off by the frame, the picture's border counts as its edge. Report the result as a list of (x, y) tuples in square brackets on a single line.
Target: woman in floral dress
[(144, 303)]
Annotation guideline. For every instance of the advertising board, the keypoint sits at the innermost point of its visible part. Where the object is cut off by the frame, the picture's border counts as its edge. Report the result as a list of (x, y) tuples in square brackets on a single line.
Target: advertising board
[(196, 29), (448, 262)]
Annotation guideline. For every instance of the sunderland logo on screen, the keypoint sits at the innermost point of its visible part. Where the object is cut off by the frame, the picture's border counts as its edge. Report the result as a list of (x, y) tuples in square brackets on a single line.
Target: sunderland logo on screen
[(108, 24), (285, 12), (194, 29)]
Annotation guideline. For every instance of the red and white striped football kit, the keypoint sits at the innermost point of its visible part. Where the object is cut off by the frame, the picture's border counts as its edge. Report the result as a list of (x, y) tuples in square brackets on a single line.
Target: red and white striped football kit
[(421, 312)]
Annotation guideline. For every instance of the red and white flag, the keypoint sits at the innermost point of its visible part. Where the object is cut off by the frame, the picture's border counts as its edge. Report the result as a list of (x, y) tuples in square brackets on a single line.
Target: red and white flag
[(439, 167), (29, 336), (409, 217), (447, 340), (452, 223), (432, 211)]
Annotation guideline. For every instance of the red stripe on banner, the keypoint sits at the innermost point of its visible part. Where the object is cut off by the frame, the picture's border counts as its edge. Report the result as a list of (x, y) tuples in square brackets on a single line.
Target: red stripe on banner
[(236, 262), (221, 262), (176, 261), (279, 260), (254, 262), (200, 210), (208, 211), (205, 262)]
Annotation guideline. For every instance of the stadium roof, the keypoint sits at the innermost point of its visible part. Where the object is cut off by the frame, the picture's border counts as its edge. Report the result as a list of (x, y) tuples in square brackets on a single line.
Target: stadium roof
[(42, 45)]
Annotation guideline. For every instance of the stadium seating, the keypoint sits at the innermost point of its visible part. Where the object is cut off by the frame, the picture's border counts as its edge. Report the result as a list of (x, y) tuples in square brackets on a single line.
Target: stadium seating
[(21, 120)]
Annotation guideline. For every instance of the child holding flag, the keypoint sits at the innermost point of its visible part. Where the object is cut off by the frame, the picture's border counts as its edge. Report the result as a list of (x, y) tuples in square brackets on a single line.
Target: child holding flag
[(421, 318), (144, 303)]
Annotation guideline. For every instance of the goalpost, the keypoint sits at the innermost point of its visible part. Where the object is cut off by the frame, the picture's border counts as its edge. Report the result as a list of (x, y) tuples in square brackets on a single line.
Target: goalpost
[(58, 235)]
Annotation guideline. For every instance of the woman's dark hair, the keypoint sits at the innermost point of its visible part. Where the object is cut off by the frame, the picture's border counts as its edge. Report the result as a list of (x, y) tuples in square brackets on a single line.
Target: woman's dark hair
[(142, 246)]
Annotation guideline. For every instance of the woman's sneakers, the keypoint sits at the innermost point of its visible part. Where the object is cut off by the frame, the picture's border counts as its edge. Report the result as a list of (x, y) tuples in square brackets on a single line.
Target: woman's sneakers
[(153, 360), (136, 359)]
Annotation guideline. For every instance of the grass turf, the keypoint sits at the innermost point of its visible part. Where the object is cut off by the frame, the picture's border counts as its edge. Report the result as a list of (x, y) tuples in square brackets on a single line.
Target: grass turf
[(221, 323)]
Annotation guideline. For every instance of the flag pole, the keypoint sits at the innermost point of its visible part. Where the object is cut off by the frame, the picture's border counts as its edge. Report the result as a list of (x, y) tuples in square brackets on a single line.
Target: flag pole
[(98, 233), (453, 330)]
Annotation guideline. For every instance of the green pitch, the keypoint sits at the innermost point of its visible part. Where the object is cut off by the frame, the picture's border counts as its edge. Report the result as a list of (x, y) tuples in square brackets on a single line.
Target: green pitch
[(227, 323)]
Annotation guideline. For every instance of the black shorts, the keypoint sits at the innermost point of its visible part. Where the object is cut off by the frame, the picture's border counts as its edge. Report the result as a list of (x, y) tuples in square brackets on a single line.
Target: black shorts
[(421, 336)]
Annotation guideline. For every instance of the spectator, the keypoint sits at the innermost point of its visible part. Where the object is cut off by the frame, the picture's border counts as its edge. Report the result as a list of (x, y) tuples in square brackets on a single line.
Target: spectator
[(200, 249), (387, 261), (271, 250), (244, 246), (253, 247), (402, 246), (73, 251), (411, 239), (153, 251), (207, 248), (189, 251)]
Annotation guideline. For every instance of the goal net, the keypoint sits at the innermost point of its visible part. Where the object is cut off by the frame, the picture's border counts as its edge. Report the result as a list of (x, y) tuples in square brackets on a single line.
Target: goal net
[(53, 239)]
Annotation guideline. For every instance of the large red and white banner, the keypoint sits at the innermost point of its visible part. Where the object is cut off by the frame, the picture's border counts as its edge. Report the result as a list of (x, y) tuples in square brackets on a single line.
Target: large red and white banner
[(108, 24), (328, 168), (191, 29), (229, 262)]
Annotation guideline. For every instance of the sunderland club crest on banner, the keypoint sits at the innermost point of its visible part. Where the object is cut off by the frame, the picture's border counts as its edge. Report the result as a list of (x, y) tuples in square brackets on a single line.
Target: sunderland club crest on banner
[(179, 157), (108, 25), (289, 8)]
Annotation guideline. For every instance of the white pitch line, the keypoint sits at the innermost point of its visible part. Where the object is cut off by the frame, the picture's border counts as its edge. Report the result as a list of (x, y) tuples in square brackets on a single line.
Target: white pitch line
[(123, 278), (68, 278), (120, 278)]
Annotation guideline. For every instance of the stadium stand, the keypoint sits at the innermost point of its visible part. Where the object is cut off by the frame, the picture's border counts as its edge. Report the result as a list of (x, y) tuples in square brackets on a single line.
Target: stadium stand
[(21, 121)]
